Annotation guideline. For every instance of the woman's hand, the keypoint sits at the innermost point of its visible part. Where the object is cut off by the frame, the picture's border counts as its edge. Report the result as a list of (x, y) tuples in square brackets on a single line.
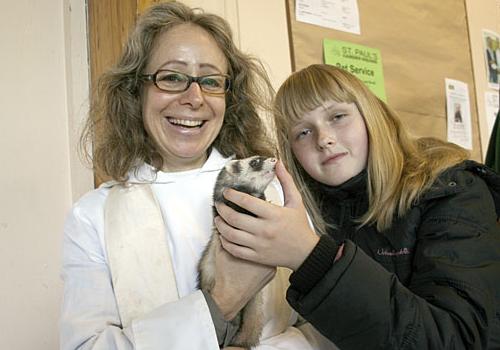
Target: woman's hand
[(278, 236), (237, 281)]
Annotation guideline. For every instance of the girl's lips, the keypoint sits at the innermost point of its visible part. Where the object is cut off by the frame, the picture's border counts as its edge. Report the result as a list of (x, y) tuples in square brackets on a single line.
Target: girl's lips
[(334, 158)]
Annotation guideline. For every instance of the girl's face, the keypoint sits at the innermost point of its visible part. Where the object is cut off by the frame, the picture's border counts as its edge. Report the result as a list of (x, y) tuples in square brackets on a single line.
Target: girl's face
[(183, 125), (331, 142)]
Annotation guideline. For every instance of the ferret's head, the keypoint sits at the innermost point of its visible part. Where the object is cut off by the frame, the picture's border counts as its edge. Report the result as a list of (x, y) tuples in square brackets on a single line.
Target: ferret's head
[(250, 175)]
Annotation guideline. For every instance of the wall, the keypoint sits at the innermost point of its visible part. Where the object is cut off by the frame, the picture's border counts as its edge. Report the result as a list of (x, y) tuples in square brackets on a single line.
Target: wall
[(77, 89), (40, 176), (260, 19), (484, 14)]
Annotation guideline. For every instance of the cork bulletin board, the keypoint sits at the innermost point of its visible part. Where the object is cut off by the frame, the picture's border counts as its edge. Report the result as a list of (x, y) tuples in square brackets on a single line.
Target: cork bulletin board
[(422, 42)]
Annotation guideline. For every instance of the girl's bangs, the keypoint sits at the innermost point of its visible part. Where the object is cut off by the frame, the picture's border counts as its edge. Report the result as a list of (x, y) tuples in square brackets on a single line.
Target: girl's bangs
[(308, 89)]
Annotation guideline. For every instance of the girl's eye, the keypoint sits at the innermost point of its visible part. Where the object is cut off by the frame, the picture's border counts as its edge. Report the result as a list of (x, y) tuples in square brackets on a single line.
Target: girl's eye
[(303, 133), (338, 116)]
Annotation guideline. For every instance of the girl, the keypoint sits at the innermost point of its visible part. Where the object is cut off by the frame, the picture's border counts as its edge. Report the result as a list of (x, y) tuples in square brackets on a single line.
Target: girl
[(409, 251)]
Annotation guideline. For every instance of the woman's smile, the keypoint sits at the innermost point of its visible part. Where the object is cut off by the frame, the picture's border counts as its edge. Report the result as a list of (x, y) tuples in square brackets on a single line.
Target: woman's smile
[(186, 123)]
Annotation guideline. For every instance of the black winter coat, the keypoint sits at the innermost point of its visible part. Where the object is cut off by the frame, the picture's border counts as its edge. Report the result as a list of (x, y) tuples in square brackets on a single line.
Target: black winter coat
[(432, 281)]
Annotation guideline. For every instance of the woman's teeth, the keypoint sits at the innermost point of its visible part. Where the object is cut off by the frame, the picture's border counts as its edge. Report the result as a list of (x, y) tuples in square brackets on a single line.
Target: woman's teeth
[(185, 122)]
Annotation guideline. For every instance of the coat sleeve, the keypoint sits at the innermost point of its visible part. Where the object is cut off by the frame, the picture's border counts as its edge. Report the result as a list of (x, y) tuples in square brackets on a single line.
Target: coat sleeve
[(89, 315), (450, 301)]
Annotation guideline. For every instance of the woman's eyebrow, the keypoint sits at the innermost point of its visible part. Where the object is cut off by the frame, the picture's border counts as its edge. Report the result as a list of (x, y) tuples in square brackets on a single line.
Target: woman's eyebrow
[(183, 63)]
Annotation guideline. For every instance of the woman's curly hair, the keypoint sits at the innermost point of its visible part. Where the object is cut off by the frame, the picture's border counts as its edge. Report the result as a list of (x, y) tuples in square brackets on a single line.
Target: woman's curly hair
[(114, 136)]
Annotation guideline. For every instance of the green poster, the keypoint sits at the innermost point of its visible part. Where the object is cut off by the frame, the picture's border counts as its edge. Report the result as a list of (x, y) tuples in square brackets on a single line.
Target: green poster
[(362, 61)]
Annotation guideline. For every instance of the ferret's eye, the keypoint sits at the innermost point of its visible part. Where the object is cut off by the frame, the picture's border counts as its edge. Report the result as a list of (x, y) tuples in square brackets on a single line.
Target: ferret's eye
[(256, 163)]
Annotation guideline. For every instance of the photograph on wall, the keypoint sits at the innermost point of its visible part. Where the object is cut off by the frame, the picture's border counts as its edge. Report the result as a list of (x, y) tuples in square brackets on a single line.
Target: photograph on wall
[(491, 44)]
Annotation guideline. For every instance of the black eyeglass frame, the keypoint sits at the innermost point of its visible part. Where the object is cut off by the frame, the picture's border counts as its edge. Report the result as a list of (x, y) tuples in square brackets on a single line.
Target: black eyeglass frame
[(191, 79)]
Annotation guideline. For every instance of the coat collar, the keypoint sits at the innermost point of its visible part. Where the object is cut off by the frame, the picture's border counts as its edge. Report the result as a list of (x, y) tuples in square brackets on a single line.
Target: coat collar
[(352, 188)]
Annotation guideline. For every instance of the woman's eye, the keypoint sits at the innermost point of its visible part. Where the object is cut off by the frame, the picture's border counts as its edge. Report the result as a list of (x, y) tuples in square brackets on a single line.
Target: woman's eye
[(172, 77), (211, 82)]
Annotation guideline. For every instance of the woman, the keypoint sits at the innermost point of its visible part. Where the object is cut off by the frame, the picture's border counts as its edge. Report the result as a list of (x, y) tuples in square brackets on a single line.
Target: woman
[(180, 102), (411, 254)]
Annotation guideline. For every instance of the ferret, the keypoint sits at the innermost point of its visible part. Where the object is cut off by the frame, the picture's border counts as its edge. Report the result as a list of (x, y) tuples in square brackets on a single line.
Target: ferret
[(250, 175)]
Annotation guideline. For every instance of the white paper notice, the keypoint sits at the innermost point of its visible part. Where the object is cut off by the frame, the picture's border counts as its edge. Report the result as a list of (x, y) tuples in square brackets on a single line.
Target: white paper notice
[(336, 14), (458, 113), (491, 99)]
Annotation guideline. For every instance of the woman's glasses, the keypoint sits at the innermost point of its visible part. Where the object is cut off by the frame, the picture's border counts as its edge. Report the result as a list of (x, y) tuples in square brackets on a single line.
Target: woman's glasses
[(172, 81)]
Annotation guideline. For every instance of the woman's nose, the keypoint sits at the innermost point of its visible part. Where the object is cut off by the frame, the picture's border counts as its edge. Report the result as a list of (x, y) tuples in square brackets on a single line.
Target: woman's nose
[(193, 96)]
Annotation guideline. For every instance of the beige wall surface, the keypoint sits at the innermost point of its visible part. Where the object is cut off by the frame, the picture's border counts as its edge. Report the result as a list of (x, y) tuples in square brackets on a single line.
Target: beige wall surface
[(34, 177), (38, 116), (484, 14)]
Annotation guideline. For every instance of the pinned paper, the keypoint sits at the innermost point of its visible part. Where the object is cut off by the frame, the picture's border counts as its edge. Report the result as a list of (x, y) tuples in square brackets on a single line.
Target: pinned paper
[(458, 113), (335, 14), (362, 61), (492, 105)]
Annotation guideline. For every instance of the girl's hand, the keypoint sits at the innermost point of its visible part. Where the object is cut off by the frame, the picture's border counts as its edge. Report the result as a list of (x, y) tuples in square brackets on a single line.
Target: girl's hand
[(278, 236)]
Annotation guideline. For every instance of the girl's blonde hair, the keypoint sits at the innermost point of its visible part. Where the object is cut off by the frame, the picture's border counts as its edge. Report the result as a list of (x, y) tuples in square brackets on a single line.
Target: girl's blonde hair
[(399, 167), (115, 128)]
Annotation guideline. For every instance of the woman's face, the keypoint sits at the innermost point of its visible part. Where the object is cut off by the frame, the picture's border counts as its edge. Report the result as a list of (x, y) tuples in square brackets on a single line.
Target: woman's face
[(331, 142), (183, 125)]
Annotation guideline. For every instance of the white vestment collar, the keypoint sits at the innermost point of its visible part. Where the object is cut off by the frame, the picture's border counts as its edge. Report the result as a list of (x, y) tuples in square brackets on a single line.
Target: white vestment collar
[(146, 173)]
